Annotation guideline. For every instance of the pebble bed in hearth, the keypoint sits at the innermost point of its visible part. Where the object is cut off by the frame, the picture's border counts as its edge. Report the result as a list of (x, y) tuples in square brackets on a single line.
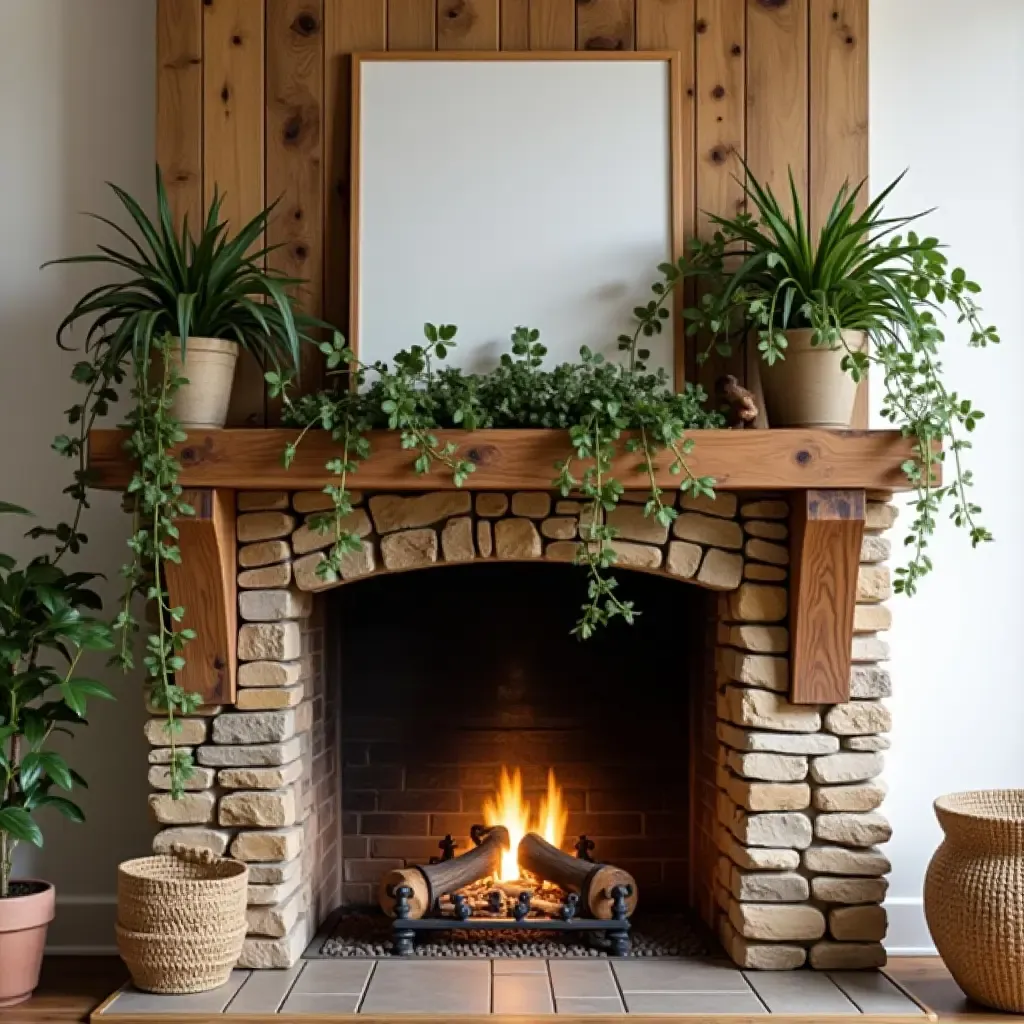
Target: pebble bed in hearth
[(368, 933)]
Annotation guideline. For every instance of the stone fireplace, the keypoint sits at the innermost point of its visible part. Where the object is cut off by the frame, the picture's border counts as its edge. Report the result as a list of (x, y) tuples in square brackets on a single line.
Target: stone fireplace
[(373, 712)]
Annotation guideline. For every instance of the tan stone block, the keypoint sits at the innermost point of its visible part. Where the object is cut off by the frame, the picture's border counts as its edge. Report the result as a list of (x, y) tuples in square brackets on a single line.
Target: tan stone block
[(255, 526), (266, 552), (762, 709), (847, 956), (768, 796), (517, 539), (561, 551), (869, 648), (777, 742), (559, 528), (392, 512), (767, 767), (846, 767), (276, 920), (858, 718), (491, 505), (874, 584), (862, 796), (484, 539), (274, 605), (756, 858), (880, 516), (708, 530), (568, 508), (531, 504), (753, 602), (192, 731), (768, 886), (259, 895), (306, 576), (765, 509), (760, 670), (268, 845), (760, 639), (254, 727), (849, 890), (840, 860), (191, 809), (789, 830), (251, 755), (777, 922), (269, 698), (307, 539), (260, 953), (869, 681), (868, 743), (636, 556), (720, 570), (874, 548), (199, 778), (759, 956), (872, 618), (274, 777), (765, 551), (162, 755), (630, 523), (766, 530), (319, 501), (200, 838), (270, 577), (457, 540), (761, 573), (273, 808), (269, 641), (408, 549), (261, 501), (850, 829), (269, 673), (722, 504), (683, 558), (274, 874)]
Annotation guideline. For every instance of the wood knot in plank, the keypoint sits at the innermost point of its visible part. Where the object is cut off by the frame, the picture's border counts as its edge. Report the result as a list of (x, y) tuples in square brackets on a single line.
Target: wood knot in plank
[(604, 43), (803, 457), (701, 26), (736, 50), (718, 92), (719, 155), (773, 5), (196, 454), (482, 455), (292, 129), (236, 40), (306, 24), (225, 94)]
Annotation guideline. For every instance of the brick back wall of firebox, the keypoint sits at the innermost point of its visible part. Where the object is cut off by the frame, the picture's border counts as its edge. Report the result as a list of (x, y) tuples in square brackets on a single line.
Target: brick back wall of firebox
[(441, 686)]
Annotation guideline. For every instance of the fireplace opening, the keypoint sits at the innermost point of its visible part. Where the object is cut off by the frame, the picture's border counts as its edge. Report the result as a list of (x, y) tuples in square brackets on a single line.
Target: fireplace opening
[(465, 703)]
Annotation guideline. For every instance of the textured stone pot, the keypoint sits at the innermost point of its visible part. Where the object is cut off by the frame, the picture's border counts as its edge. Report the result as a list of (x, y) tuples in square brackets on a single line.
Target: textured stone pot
[(809, 388), (974, 894), (23, 924), (209, 365)]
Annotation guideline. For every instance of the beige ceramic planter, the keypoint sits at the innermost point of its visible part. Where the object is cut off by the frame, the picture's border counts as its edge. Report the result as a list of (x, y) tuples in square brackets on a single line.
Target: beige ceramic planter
[(809, 388), (209, 365), (23, 924)]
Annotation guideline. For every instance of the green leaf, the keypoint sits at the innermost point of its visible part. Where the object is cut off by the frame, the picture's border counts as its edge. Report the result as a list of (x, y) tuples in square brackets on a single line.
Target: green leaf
[(18, 823)]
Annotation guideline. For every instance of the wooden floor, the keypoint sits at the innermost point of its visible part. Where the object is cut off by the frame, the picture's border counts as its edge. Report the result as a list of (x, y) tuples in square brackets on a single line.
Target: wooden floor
[(72, 987)]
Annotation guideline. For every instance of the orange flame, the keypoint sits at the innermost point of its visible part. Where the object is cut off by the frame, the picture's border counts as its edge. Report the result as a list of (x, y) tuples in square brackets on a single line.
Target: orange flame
[(510, 809)]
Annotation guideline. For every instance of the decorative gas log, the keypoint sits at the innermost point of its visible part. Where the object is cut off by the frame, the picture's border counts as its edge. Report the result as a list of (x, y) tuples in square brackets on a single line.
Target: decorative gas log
[(429, 882), (599, 885)]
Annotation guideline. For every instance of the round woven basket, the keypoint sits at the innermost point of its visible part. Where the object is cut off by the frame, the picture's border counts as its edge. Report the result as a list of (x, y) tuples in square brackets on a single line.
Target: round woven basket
[(181, 919), (974, 894)]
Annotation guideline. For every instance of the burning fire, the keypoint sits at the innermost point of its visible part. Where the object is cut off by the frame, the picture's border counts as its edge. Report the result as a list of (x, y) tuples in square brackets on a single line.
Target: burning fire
[(510, 809)]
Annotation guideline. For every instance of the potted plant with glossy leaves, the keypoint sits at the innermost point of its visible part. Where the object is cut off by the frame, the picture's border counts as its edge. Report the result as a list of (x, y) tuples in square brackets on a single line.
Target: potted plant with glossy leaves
[(45, 628), (212, 293)]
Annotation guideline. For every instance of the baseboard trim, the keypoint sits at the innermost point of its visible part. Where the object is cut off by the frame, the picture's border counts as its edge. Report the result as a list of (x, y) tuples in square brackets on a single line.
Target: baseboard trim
[(83, 925), (908, 931)]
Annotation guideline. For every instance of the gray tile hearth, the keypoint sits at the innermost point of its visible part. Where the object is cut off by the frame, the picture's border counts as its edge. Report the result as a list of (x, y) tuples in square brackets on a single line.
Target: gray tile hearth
[(531, 988)]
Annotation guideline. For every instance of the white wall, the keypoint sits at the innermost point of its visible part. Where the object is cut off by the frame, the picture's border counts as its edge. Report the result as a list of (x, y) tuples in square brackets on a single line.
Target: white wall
[(947, 95), (77, 101)]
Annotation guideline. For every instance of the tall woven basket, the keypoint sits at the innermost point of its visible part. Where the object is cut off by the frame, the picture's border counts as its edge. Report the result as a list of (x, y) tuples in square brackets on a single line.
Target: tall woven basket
[(181, 919), (974, 894)]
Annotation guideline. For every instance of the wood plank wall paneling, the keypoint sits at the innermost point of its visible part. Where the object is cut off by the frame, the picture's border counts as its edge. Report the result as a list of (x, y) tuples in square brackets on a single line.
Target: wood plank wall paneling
[(254, 96)]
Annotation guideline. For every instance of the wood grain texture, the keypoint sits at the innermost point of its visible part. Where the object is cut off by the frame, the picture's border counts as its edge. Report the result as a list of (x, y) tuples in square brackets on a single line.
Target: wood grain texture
[(412, 24), (523, 459), (205, 586), (552, 24), (234, 149), (467, 25), (295, 160), (826, 530), (721, 136), (349, 26), (605, 24), (515, 24), (179, 105), (838, 129)]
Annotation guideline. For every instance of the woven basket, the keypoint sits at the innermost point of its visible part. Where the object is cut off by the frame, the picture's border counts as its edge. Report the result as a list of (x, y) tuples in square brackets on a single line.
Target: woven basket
[(974, 894), (181, 919)]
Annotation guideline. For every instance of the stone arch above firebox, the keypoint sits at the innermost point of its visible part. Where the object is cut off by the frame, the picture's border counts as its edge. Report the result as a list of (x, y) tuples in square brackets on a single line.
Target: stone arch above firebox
[(715, 543)]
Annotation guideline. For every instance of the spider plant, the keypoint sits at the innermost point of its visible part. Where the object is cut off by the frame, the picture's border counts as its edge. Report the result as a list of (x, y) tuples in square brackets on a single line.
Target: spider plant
[(765, 273)]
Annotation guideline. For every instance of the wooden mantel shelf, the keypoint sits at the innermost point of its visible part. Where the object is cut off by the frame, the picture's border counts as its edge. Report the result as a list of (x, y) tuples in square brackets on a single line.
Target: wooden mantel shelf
[(740, 460)]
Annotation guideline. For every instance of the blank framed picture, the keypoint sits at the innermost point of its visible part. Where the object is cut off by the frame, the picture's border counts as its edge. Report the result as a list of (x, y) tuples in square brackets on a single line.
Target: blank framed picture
[(497, 190)]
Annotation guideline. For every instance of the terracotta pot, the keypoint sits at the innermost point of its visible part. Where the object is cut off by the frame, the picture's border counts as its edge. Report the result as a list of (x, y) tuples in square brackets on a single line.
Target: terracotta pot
[(809, 388), (974, 896), (23, 923), (209, 365)]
